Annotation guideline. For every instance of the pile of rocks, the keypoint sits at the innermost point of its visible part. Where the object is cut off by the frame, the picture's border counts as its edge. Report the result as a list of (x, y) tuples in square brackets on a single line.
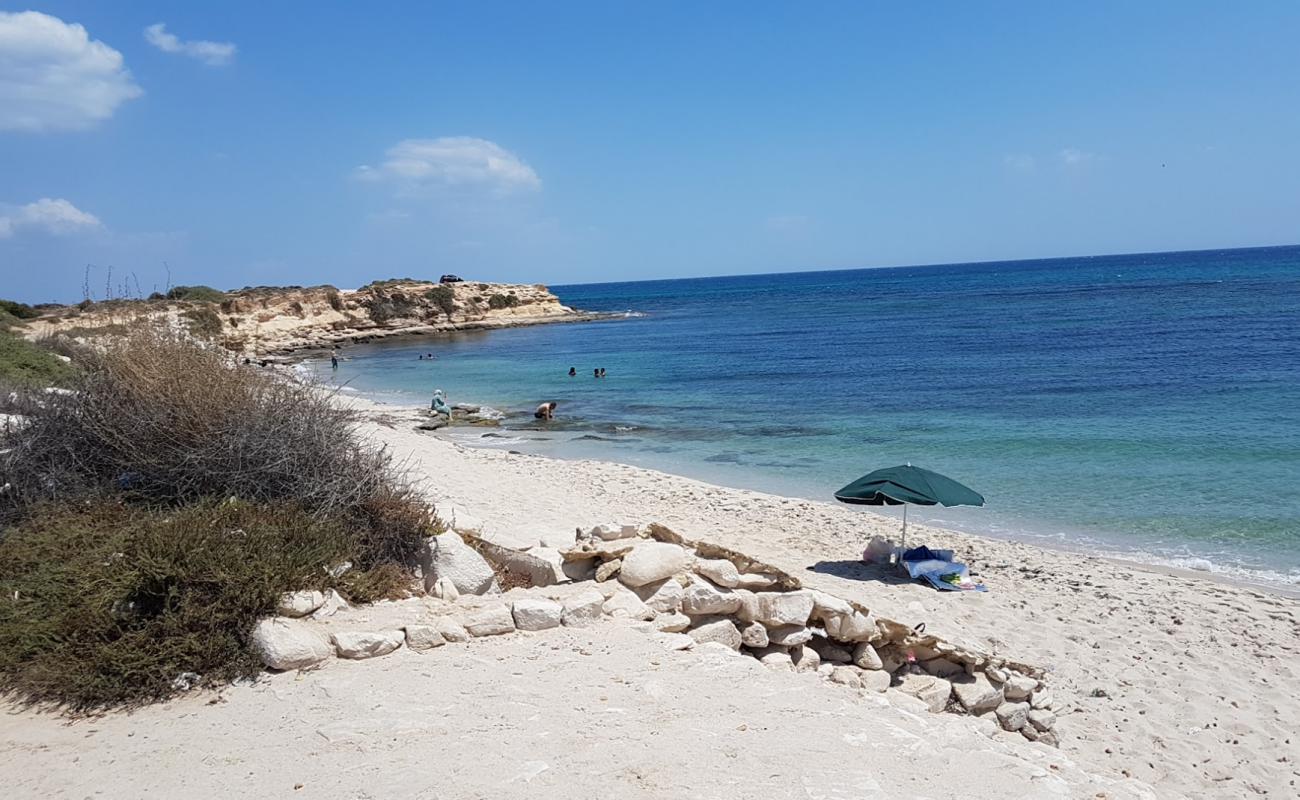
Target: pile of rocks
[(687, 595)]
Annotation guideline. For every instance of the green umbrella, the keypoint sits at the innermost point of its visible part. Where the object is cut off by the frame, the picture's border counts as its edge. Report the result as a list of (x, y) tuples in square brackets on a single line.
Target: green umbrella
[(908, 485)]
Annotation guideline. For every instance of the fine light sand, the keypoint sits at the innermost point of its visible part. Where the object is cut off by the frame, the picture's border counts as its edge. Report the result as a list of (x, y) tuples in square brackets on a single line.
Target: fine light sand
[(1186, 683)]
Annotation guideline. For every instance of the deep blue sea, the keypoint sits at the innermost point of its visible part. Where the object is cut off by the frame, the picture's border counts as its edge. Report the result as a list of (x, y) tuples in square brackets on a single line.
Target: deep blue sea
[(1142, 404)]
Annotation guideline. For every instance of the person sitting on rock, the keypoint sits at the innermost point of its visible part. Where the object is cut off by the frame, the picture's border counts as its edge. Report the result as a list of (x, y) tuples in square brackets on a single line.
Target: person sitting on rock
[(545, 411)]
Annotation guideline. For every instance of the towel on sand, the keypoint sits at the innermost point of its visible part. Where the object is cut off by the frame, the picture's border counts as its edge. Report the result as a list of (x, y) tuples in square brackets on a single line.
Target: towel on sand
[(938, 569)]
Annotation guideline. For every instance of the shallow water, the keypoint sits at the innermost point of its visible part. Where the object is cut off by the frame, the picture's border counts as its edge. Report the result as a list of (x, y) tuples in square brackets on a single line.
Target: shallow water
[(1146, 403)]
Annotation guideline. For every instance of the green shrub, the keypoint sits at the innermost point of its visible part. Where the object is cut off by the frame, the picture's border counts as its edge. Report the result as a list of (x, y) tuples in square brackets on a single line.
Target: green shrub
[(102, 604), (334, 299), (19, 310), (24, 363), (382, 309), (203, 322), (444, 298), (196, 294), (498, 301)]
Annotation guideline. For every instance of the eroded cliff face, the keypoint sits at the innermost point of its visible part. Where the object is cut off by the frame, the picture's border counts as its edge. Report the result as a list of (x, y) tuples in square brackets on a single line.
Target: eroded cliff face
[(279, 320)]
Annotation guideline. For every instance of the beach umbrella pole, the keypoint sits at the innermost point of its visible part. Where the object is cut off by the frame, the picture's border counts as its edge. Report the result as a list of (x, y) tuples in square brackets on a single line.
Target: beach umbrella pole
[(904, 526)]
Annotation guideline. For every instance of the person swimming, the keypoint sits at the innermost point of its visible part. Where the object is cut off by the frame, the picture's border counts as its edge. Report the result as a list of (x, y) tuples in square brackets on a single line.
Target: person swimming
[(573, 371), (545, 411)]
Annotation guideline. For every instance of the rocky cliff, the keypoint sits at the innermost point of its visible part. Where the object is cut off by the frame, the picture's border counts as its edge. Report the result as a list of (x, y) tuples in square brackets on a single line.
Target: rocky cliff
[(280, 320)]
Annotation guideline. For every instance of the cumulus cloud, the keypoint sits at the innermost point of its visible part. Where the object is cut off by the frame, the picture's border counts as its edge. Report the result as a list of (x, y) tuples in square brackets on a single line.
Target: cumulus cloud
[(214, 54), (58, 217), (53, 76), (453, 161)]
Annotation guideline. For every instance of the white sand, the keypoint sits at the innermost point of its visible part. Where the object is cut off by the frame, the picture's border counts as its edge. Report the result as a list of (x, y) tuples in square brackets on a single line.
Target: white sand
[(1200, 676)]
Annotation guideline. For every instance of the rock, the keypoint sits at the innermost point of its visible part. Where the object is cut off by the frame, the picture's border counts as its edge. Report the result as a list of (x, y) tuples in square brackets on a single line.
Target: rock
[(652, 561), (1041, 719), (624, 603), (444, 589), (943, 668), (334, 603), (788, 635), (186, 681), (286, 645), (1041, 699), (805, 659), (866, 657), (996, 674), (1030, 733), (608, 569), (754, 634), (1048, 738), (423, 637), (662, 596), (748, 611), (493, 619), (544, 568), (451, 630), (906, 702), (299, 604), (976, 694), (609, 532), (583, 608), (433, 423), (875, 680), (367, 644), (719, 570), (447, 556), (579, 571), (892, 657), (536, 613), (778, 660), (921, 652), (458, 519), (1018, 687), (853, 627), (846, 677), (556, 562), (826, 605), (756, 581), (932, 691), (830, 651), (784, 608), (675, 641), (672, 622), (722, 631), (1013, 716), (702, 597)]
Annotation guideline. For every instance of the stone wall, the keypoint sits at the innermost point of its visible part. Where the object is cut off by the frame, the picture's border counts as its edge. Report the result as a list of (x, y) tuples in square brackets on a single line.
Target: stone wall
[(686, 594)]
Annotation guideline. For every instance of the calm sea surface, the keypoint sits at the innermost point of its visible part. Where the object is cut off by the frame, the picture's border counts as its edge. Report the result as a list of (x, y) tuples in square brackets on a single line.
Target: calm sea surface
[(1148, 404)]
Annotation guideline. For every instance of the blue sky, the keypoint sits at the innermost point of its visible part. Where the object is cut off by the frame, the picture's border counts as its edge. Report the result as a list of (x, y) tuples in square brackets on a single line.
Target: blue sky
[(274, 143)]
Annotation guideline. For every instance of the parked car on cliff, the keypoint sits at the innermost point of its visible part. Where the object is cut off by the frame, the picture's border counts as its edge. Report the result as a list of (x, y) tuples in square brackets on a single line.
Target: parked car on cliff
[(451, 279)]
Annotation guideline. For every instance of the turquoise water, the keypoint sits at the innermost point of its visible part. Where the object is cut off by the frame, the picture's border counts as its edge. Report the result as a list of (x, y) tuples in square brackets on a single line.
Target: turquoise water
[(1148, 404)]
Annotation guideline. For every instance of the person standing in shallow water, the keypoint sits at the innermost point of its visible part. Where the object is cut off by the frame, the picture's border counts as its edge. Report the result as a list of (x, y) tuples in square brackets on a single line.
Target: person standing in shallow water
[(545, 411), (334, 361)]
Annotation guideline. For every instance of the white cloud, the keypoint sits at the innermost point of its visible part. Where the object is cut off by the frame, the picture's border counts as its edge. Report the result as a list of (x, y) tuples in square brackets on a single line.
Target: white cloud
[(454, 161), (214, 54), (54, 76), (1073, 157), (57, 217)]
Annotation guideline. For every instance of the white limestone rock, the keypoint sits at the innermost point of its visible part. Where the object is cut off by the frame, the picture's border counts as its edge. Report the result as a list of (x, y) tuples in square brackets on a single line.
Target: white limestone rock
[(608, 569), (492, 619), (754, 634), (423, 637), (875, 680), (536, 613), (610, 531), (805, 659), (778, 660), (702, 597), (866, 657), (583, 608), (788, 635), (722, 631), (555, 563), (672, 622), (289, 645), (846, 677), (718, 570), (367, 644), (1018, 687), (447, 556), (1041, 699), (748, 611), (652, 561), (1041, 719), (943, 668), (932, 691), (299, 604), (451, 630), (675, 641), (662, 596), (334, 603), (852, 627), (1013, 716), (756, 582), (976, 694), (624, 603), (444, 589), (784, 608), (825, 605)]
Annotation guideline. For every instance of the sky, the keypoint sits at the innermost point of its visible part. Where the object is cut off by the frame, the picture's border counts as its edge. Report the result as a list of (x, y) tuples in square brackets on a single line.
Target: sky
[(144, 144)]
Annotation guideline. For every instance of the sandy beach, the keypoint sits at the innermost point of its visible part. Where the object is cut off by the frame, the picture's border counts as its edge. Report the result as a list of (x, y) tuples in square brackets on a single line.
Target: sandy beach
[(1184, 682)]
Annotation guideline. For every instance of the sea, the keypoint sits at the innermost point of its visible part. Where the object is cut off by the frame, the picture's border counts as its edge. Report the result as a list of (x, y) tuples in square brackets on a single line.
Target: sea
[(1146, 406)]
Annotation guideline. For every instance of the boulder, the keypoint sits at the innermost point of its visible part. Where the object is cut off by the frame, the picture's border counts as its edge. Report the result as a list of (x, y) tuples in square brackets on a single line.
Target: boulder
[(609, 531), (538, 566), (652, 561), (826, 605), (536, 613), (805, 659), (788, 635), (551, 557), (608, 569), (287, 645), (579, 571), (492, 619), (662, 596), (444, 589), (719, 570), (866, 657), (846, 676), (1041, 699), (625, 603), (423, 637), (976, 694), (784, 608), (831, 652), (1012, 716), (583, 608), (334, 603), (447, 556), (852, 627), (1018, 687), (1041, 719), (672, 622), (932, 691), (778, 660), (756, 581), (722, 631), (675, 641), (451, 630), (943, 668), (299, 604), (748, 611), (367, 644), (754, 634), (702, 597), (875, 680)]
